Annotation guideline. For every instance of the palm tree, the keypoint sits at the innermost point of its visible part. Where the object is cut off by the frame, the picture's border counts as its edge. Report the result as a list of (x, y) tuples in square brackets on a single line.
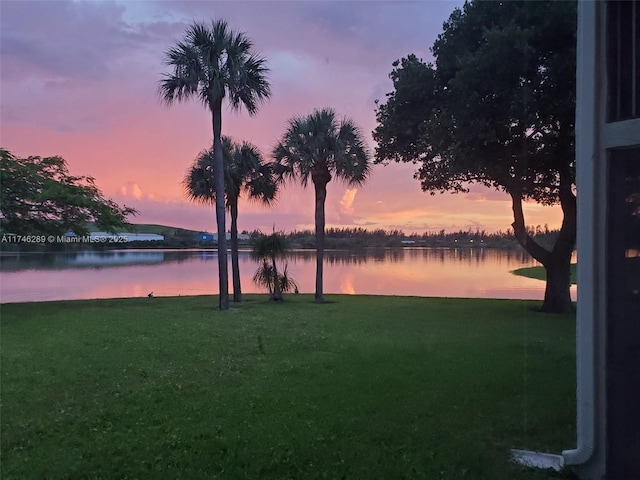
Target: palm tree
[(269, 248), (319, 147), (244, 172), (265, 277), (212, 63)]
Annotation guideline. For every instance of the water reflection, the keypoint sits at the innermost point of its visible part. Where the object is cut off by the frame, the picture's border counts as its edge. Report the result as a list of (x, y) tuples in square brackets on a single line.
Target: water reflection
[(400, 255), (416, 271), (89, 259)]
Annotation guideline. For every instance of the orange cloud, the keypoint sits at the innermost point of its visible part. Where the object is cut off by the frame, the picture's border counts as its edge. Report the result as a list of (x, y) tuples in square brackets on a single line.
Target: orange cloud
[(346, 203), (131, 189)]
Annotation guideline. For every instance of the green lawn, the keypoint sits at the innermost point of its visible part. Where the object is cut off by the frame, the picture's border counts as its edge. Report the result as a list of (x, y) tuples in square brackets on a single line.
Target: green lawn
[(148, 228), (362, 387), (539, 273)]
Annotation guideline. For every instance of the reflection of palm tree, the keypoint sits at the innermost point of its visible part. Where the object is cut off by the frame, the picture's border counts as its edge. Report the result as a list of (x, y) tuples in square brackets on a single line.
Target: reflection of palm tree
[(269, 248), (245, 172), (319, 147), (211, 64)]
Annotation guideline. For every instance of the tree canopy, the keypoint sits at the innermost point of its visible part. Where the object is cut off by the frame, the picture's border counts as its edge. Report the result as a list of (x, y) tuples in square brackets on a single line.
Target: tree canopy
[(212, 63), (245, 172), (497, 108), (39, 196)]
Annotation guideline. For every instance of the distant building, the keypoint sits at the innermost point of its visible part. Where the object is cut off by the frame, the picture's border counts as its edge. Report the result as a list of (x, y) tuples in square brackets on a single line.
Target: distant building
[(205, 237)]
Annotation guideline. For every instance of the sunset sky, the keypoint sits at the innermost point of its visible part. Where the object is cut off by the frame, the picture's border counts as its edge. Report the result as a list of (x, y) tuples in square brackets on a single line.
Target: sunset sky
[(79, 79)]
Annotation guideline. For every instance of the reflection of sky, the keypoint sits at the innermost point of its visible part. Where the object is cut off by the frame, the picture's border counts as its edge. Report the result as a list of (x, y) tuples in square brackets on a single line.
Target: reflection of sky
[(421, 272), (114, 258), (92, 259)]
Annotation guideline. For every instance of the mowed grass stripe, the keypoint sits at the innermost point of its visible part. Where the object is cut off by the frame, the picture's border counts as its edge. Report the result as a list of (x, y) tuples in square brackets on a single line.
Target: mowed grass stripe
[(363, 387), (539, 273)]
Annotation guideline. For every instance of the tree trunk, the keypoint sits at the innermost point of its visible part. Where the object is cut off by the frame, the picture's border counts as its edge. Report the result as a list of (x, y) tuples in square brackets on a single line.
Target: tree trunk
[(321, 195), (557, 296), (277, 291), (218, 171), (235, 266)]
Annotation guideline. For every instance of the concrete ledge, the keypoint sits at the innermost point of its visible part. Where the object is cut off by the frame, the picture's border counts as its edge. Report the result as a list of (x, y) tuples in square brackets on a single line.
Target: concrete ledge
[(537, 459)]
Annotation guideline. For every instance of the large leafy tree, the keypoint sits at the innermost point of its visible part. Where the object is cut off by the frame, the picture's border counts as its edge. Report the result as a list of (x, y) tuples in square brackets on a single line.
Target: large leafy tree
[(212, 63), (40, 197), (319, 147), (245, 172), (497, 109)]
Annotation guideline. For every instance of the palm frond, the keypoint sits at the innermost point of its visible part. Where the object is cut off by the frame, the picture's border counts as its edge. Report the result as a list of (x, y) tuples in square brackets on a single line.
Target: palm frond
[(275, 245), (263, 277), (212, 62), (198, 182), (244, 171), (352, 163), (263, 186), (287, 283), (321, 146)]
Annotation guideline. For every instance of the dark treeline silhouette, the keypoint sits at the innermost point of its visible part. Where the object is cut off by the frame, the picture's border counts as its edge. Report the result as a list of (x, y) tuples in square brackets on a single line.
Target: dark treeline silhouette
[(353, 238), (336, 239)]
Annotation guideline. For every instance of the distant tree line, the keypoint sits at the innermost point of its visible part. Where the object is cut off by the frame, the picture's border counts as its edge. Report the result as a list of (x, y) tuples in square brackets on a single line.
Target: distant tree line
[(336, 239), (354, 238)]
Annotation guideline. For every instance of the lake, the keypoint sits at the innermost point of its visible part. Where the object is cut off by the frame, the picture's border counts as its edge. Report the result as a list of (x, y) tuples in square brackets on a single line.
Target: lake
[(429, 272)]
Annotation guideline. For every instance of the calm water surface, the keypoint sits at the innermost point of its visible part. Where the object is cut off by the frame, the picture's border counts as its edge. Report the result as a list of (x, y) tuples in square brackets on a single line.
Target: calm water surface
[(476, 273)]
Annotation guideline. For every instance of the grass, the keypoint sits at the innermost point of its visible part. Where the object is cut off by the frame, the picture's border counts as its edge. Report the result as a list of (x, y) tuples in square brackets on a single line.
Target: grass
[(539, 273), (359, 388), (149, 228)]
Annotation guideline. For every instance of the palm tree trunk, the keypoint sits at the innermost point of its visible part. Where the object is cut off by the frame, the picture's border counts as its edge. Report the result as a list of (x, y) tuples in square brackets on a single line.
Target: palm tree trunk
[(218, 171), (321, 196), (235, 266)]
